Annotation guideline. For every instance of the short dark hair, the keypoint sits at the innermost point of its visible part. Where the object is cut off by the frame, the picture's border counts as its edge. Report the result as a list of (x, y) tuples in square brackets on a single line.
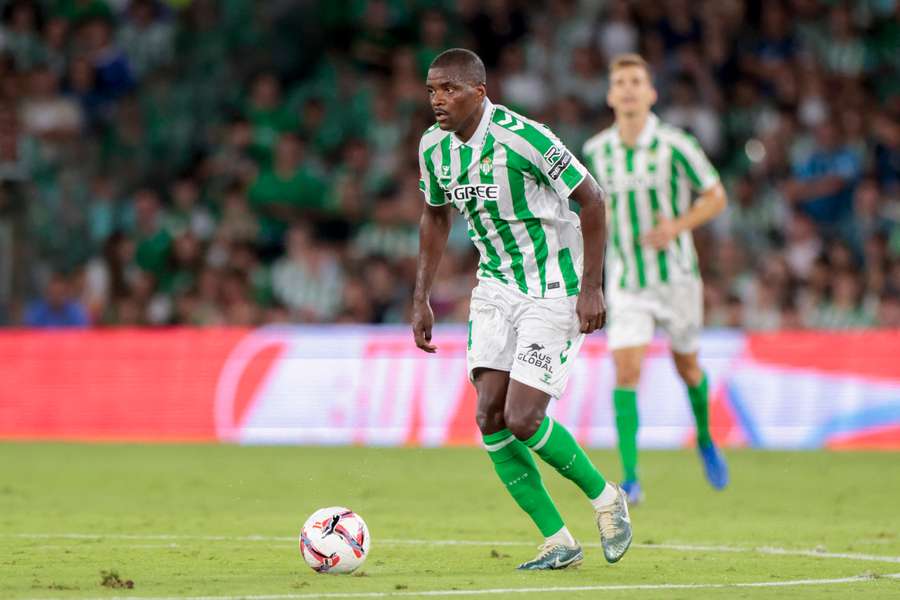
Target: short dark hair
[(466, 61)]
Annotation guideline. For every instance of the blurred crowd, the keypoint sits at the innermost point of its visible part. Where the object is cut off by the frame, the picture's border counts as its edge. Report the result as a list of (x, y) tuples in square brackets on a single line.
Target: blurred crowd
[(234, 162)]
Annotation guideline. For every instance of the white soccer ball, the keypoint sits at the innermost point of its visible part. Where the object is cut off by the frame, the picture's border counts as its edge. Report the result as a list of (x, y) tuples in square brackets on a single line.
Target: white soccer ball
[(334, 540)]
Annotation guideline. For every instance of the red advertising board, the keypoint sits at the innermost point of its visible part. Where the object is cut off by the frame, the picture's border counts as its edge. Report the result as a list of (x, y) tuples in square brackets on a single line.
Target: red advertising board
[(371, 386)]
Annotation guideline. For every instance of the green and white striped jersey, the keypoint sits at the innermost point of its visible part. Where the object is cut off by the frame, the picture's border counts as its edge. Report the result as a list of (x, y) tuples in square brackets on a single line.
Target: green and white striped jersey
[(657, 177), (512, 182)]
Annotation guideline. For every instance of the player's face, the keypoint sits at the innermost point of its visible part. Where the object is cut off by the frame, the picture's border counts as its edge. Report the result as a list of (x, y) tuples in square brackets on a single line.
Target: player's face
[(631, 93), (453, 100)]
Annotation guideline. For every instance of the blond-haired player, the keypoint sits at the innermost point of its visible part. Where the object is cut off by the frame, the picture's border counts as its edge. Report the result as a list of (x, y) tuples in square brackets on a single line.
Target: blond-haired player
[(652, 173)]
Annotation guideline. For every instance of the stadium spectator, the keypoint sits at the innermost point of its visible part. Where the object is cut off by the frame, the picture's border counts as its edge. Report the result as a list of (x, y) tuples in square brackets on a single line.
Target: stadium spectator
[(168, 153), (146, 37), (57, 308), (286, 191), (308, 280), (825, 179)]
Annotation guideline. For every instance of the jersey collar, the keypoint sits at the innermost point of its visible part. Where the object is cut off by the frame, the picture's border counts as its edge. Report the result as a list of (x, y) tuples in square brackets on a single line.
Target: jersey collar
[(645, 138), (478, 137)]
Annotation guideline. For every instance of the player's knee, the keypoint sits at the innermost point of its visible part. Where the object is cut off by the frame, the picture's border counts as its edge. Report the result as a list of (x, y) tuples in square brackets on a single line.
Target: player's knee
[(628, 376), (490, 420), (691, 375), (689, 371), (523, 423)]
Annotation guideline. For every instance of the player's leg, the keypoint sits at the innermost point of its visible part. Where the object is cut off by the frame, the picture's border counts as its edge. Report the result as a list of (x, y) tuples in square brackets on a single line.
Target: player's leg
[(688, 367), (559, 550), (714, 464), (512, 461), (630, 330), (683, 322), (547, 346), (627, 363), (526, 417), (489, 355)]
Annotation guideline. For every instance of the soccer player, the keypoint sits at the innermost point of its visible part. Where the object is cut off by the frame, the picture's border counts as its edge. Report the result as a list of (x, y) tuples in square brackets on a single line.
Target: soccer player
[(534, 303), (650, 170)]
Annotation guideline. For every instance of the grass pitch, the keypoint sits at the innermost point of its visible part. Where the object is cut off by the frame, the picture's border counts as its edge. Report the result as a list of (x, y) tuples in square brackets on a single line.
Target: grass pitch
[(82, 521)]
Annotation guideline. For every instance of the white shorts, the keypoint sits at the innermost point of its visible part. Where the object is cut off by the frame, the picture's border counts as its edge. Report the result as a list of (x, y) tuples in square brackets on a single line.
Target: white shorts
[(677, 308), (536, 340)]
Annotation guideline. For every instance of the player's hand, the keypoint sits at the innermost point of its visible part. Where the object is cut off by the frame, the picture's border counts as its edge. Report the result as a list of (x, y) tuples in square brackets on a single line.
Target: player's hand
[(422, 322), (591, 309), (662, 235)]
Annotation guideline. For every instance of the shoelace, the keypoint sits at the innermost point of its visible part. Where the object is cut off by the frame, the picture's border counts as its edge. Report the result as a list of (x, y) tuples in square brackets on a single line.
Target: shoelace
[(545, 549), (608, 525)]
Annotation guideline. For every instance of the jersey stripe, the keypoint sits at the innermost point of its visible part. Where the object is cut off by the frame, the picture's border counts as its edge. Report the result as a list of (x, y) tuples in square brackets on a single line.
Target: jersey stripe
[(465, 161), (635, 222), (662, 263), (570, 277), (446, 157), (674, 194), (492, 266), (691, 173), (509, 244), (436, 195), (614, 209), (515, 166)]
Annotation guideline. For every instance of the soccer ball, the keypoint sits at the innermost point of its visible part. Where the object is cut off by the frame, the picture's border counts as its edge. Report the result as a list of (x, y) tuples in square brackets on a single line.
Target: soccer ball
[(334, 540)]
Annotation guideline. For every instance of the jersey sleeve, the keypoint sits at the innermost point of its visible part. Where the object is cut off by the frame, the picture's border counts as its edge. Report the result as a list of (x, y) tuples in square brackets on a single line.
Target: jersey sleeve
[(592, 159), (428, 181), (564, 171), (700, 171)]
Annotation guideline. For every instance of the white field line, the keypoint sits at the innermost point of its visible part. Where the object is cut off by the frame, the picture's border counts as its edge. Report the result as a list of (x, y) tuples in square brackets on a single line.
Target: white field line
[(525, 590), (128, 546), (484, 543)]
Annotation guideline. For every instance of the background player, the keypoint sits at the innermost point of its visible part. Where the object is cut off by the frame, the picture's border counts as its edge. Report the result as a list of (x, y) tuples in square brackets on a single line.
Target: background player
[(650, 170), (511, 178)]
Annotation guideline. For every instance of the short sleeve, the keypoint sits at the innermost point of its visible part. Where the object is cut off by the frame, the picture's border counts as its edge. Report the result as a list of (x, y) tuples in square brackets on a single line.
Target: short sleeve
[(428, 181), (700, 172), (592, 160), (564, 171)]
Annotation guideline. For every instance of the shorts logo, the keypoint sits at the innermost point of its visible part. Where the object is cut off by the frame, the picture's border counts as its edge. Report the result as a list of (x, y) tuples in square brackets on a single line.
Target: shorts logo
[(564, 355), (560, 166), (464, 193), (532, 355)]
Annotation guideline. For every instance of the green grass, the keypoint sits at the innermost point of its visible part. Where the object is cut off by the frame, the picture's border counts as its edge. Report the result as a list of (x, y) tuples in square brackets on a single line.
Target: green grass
[(836, 502)]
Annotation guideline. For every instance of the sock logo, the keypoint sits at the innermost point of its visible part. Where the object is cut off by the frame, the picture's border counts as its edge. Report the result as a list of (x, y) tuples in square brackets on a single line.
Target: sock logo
[(518, 479)]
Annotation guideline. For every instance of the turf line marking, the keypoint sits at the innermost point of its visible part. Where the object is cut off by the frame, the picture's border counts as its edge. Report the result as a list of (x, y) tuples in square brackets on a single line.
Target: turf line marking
[(128, 546), (528, 590), (769, 550)]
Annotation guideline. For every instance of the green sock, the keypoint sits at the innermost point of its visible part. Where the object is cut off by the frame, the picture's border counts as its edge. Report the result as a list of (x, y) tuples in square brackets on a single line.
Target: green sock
[(699, 396), (625, 402), (558, 448), (518, 471)]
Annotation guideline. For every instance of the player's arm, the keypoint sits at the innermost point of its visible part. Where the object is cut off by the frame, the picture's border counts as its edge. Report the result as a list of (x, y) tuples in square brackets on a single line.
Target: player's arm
[(704, 180), (705, 208), (591, 307), (434, 229)]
